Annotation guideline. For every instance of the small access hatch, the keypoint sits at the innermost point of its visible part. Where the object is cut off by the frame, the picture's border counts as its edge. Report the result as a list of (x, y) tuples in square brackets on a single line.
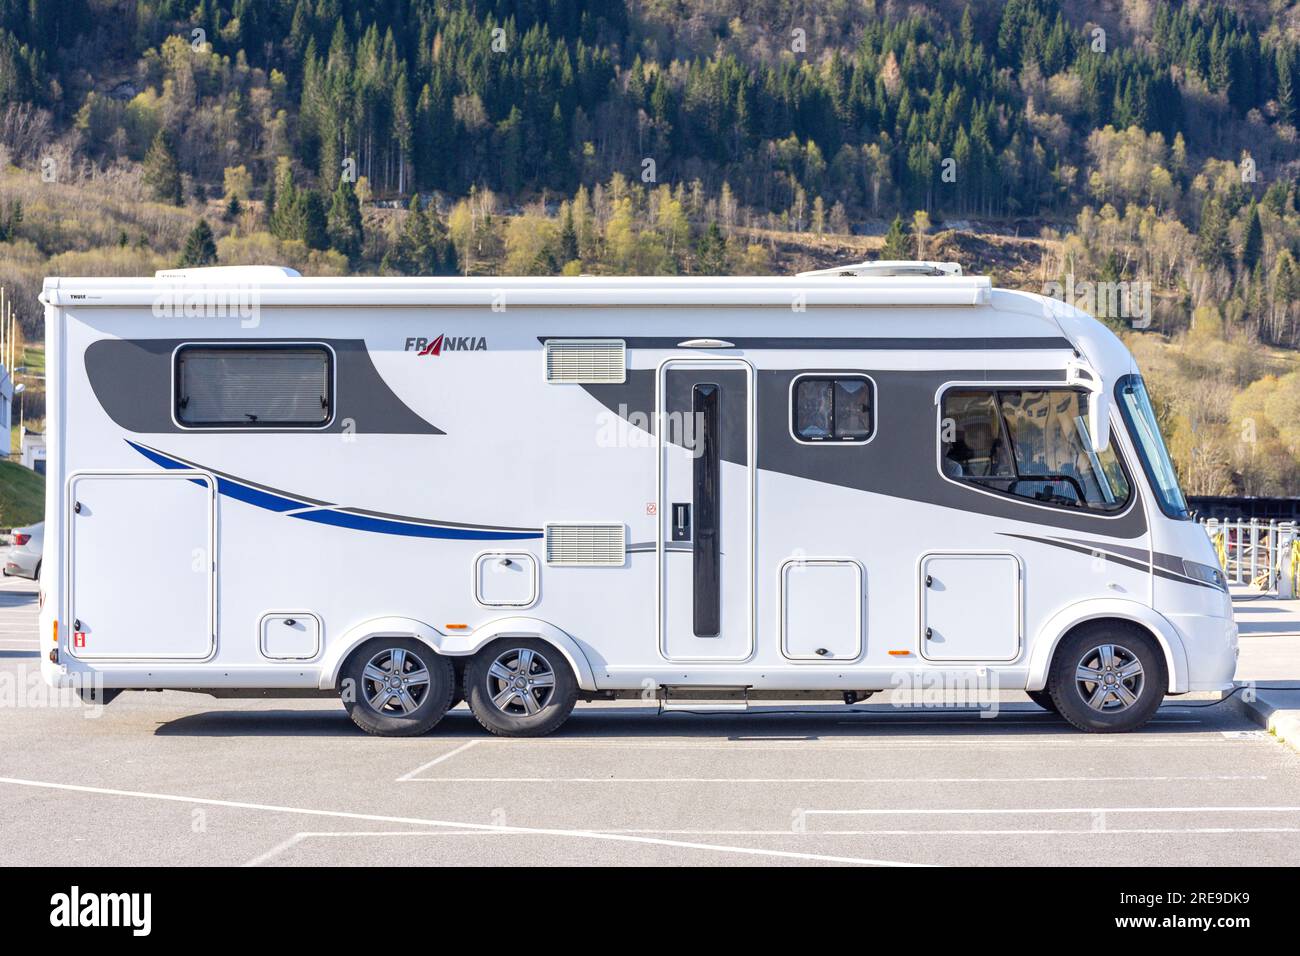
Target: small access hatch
[(290, 636), (505, 579), (970, 607), (821, 609)]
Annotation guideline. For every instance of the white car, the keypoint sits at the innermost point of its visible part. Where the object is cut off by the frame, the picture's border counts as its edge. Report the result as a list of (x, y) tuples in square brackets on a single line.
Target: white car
[(24, 558)]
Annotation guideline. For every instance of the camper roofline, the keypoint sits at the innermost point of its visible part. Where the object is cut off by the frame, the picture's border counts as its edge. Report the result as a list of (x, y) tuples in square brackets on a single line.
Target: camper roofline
[(279, 290)]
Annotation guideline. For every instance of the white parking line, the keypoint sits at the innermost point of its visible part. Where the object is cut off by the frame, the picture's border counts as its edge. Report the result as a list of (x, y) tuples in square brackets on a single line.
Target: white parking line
[(315, 834), (411, 778), (434, 762), (302, 837), (1000, 811), (454, 825)]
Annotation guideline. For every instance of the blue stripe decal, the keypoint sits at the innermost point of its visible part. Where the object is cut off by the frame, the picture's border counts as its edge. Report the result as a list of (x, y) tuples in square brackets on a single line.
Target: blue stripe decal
[(344, 519), (227, 486), (270, 501)]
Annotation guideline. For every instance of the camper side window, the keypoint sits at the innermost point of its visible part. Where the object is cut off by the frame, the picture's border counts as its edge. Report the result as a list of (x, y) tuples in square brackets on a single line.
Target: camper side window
[(260, 386), (832, 409), (1031, 443)]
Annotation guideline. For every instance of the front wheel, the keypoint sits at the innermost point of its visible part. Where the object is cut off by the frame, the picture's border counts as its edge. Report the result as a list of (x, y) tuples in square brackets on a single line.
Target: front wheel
[(1108, 678), (397, 687), (520, 687)]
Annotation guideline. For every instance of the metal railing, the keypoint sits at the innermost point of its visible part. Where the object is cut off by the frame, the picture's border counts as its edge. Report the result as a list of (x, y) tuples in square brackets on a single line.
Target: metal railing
[(1263, 554)]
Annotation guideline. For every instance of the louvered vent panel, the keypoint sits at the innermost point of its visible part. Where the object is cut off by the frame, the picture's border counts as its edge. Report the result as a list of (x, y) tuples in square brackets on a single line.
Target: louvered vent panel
[(586, 361), (585, 545)]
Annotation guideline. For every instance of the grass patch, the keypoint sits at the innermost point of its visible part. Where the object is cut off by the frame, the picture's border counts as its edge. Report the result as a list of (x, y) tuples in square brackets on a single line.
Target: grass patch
[(33, 359), (22, 496)]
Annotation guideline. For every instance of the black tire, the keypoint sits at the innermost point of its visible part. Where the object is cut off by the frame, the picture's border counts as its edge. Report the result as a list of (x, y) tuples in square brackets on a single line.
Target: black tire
[(379, 708), (551, 702), (1043, 699), (1121, 703)]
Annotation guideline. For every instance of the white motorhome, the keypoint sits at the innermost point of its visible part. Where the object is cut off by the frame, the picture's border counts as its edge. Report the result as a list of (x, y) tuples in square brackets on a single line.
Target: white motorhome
[(526, 492)]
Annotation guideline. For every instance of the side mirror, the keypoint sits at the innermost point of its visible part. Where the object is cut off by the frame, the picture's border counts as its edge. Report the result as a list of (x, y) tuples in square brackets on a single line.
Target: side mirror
[(1079, 375)]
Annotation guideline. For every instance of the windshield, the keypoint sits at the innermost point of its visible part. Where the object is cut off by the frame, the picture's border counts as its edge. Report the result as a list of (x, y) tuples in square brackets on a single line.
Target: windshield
[(1140, 417)]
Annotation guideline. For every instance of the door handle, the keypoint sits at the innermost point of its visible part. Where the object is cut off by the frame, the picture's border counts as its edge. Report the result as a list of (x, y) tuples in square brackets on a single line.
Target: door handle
[(681, 521)]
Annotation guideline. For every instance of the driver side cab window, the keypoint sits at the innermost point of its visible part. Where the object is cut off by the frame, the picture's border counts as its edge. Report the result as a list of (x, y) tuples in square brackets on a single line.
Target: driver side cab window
[(1029, 443)]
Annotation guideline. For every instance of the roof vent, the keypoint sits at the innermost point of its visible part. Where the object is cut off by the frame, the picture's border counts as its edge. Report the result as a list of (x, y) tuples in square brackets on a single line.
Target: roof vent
[(586, 361), (884, 268), (585, 545)]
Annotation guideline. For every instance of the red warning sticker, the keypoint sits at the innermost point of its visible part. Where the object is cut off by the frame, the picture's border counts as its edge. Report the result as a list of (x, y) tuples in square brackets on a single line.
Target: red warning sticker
[(79, 639)]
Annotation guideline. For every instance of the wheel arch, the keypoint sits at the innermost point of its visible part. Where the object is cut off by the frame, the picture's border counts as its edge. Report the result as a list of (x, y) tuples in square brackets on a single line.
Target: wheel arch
[(1150, 621), (454, 645)]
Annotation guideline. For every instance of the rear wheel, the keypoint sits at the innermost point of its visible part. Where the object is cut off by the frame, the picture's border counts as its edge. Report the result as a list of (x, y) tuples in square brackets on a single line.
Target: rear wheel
[(397, 687), (1107, 678), (520, 687)]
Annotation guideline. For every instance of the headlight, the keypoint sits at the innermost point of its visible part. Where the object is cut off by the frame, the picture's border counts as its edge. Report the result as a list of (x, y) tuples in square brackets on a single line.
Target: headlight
[(1204, 572)]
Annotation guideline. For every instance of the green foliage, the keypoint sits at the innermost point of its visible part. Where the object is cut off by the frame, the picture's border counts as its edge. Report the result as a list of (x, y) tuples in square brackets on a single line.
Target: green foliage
[(11, 214), (711, 252), (899, 243), (162, 175), (22, 495), (200, 247), (422, 246), (520, 98), (1252, 240), (346, 233)]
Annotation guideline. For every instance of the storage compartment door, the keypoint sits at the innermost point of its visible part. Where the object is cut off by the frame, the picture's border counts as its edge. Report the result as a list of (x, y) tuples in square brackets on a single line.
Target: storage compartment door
[(141, 567), (505, 579), (289, 636), (821, 610), (970, 607)]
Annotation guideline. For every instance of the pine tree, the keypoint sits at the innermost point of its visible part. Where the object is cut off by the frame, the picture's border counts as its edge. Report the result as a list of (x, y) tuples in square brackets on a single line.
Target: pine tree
[(1252, 240), (1213, 245), (422, 246), (1285, 94), (346, 233), (568, 237), (200, 247), (711, 252), (161, 172), (898, 243), (314, 230)]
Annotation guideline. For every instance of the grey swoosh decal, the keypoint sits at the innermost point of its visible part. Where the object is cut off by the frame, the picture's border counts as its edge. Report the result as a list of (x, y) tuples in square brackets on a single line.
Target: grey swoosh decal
[(899, 462), (1166, 566), (132, 379)]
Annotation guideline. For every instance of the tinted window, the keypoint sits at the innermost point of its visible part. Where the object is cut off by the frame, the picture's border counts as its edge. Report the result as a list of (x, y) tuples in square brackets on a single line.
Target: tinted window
[(833, 409), (1032, 443), (253, 386)]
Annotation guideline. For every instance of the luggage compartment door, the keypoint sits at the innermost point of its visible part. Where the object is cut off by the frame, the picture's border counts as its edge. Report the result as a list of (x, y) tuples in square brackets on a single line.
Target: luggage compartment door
[(141, 566), (970, 607)]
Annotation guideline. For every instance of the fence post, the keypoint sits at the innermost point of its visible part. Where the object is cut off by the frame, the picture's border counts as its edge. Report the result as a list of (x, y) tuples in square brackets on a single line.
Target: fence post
[(1254, 551), (1285, 563)]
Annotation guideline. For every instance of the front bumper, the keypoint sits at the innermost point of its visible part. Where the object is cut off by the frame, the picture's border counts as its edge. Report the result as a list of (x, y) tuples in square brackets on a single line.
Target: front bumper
[(1211, 648)]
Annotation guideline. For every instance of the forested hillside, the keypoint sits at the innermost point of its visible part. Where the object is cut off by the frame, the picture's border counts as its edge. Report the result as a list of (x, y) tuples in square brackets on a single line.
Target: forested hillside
[(1112, 141)]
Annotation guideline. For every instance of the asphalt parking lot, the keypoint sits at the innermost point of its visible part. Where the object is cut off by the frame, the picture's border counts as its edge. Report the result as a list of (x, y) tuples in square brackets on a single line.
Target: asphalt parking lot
[(177, 778)]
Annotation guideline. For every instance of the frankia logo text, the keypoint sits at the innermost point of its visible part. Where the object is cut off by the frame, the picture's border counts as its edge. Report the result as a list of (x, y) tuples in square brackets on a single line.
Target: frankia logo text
[(75, 909)]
